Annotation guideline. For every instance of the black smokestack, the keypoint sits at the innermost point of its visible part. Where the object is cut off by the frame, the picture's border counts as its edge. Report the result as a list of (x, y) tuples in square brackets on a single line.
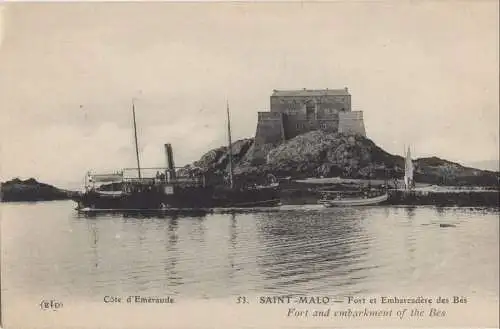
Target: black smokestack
[(170, 159)]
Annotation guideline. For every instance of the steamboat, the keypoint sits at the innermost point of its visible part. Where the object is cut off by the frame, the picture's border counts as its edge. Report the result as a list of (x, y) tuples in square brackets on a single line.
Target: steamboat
[(172, 188)]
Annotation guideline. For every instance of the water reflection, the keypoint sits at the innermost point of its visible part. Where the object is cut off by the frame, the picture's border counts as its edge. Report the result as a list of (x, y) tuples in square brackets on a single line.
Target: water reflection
[(440, 211), (126, 248), (337, 251), (94, 238), (171, 249), (410, 211), (410, 241), (233, 236), (304, 251), (197, 230)]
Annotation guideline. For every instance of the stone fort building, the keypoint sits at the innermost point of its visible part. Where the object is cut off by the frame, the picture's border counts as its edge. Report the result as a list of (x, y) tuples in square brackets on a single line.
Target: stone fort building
[(294, 112)]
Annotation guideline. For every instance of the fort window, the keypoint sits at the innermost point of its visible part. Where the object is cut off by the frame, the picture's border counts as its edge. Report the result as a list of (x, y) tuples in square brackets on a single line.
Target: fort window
[(310, 109)]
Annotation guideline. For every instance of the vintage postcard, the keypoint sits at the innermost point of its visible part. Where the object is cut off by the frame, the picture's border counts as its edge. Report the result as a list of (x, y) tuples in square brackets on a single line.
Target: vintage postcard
[(249, 164)]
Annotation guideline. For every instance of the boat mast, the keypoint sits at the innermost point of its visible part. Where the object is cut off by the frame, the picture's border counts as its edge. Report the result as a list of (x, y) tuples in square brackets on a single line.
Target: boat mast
[(136, 144), (231, 184)]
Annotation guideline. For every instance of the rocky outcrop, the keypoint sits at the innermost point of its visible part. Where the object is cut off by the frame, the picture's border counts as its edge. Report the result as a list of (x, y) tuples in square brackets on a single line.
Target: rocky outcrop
[(215, 163), (439, 171), (31, 190), (321, 154), (218, 159)]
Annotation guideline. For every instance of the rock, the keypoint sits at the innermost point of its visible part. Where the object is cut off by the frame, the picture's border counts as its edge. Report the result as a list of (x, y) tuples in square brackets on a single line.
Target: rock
[(321, 154), (447, 225), (218, 159), (31, 190)]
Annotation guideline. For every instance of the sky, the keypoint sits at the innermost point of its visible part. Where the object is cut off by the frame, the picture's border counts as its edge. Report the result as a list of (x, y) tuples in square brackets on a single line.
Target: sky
[(425, 74)]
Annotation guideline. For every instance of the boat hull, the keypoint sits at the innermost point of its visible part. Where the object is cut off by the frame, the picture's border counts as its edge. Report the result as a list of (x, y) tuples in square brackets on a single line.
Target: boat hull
[(353, 202), (183, 199)]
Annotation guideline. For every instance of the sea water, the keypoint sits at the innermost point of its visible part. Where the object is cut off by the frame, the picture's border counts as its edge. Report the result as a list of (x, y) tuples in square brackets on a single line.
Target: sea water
[(206, 265)]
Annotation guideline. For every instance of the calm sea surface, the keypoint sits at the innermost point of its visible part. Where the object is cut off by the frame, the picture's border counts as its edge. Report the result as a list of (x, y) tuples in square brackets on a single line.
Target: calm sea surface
[(49, 251)]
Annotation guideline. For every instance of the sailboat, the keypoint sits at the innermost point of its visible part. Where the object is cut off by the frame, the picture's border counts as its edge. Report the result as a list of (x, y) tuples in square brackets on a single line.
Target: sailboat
[(408, 178), (169, 190)]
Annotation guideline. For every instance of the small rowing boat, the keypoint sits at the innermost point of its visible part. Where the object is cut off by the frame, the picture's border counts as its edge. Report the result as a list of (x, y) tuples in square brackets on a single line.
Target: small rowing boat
[(340, 201)]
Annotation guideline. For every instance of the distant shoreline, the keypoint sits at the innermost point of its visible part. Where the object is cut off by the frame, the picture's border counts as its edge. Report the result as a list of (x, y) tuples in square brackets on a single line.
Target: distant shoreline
[(298, 192), (305, 162)]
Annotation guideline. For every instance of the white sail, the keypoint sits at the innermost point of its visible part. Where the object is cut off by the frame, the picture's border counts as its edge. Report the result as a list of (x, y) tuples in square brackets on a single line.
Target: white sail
[(408, 171)]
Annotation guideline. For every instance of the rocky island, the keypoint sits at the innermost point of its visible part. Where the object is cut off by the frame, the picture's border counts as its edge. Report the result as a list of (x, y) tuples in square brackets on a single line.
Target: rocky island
[(313, 162), (323, 154), (316, 133), (31, 190)]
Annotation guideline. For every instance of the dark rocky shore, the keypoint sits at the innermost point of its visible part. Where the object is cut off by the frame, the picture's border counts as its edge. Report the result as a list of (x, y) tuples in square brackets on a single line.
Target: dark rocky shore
[(17, 190)]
